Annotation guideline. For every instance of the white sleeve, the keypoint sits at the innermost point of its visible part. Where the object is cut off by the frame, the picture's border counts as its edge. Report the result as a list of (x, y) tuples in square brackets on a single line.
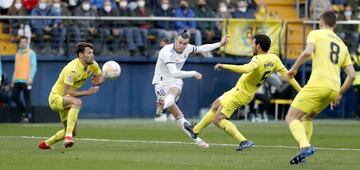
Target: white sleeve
[(178, 73), (207, 47)]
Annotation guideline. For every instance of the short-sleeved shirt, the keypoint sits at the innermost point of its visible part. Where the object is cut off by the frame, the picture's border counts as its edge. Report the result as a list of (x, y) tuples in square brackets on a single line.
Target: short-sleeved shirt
[(74, 74), (329, 56), (168, 55)]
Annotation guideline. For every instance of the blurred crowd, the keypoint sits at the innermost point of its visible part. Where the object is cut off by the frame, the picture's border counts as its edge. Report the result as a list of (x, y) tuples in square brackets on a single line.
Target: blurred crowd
[(138, 37)]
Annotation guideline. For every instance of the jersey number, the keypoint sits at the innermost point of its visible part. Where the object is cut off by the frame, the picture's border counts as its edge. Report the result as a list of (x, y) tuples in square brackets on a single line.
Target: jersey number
[(264, 77), (334, 53)]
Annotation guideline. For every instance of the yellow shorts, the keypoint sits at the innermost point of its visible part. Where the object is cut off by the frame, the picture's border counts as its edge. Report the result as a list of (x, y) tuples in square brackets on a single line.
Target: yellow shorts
[(56, 104), (314, 99), (232, 100)]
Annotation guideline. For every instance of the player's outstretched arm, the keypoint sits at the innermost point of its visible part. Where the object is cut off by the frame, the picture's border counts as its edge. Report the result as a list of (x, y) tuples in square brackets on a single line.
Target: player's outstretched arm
[(283, 72), (90, 91), (210, 47), (182, 74), (246, 68), (304, 56)]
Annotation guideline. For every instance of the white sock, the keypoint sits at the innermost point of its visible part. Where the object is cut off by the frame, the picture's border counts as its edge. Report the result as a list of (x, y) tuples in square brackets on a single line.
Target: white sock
[(169, 100), (180, 121)]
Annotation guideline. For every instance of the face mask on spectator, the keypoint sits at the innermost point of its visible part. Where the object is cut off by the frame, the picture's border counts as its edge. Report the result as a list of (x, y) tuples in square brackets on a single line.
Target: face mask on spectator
[(72, 2), (141, 4), (242, 9), (18, 5), (57, 5), (347, 13), (42, 6), (86, 6), (107, 8), (165, 6), (223, 9), (123, 4)]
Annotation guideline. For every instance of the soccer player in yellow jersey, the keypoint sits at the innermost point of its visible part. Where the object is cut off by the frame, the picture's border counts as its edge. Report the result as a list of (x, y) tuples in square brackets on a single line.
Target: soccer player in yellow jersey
[(255, 73), (64, 97), (329, 54)]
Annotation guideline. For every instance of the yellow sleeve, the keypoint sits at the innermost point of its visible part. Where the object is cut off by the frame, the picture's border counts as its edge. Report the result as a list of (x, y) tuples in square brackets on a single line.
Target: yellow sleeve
[(347, 60), (246, 68), (69, 77), (95, 68), (311, 38)]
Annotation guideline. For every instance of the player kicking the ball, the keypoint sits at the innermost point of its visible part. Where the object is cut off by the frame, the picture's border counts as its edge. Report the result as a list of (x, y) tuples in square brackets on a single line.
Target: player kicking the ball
[(168, 77), (64, 97), (254, 75)]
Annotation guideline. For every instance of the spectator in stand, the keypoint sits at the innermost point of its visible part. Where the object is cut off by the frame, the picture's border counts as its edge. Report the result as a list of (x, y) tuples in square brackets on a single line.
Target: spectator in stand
[(233, 4), (5, 6), (86, 28), (73, 4), (29, 5), (165, 29), (18, 27), (348, 33), (48, 26), (207, 28), (99, 4), (243, 11), (72, 32), (318, 7), (185, 12), (109, 29), (142, 27), (126, 28)]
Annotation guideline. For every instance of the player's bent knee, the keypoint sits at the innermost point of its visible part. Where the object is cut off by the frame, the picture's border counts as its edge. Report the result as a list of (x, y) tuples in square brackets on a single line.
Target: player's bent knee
[(77, 103)]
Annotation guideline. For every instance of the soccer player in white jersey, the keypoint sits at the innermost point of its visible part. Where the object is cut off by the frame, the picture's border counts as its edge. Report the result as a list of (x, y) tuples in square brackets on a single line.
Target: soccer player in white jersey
[(168, 77)]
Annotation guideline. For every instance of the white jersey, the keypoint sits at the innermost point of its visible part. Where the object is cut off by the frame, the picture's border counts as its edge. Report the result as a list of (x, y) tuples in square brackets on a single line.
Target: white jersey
[(168, 55)]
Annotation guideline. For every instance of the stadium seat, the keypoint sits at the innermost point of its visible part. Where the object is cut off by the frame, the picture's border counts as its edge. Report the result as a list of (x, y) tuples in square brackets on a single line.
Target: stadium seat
[(277, 102)]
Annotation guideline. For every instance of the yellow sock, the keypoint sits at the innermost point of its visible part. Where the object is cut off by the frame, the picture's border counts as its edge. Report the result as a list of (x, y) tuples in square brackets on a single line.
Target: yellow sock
[(298, 131), (308, 125), (56, 137), (71, 120), (205, 121), (231, 129)]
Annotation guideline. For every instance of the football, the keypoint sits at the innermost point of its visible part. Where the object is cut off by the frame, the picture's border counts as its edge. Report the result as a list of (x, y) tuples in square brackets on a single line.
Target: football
[(111, 69)]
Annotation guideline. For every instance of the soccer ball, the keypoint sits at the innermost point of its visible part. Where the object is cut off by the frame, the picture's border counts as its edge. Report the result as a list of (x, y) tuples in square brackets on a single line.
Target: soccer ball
[(111, 69)]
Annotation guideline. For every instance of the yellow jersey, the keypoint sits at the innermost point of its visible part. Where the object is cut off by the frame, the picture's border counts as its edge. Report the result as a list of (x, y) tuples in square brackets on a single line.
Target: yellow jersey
[(257, 71), (329, 56), (74, 74)]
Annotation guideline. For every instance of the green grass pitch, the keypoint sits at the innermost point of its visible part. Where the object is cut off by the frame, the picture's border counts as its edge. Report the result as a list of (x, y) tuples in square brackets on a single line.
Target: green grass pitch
[(144, 144)]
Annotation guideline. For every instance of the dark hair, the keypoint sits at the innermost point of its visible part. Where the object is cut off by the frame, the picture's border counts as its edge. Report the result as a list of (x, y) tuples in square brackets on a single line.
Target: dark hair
[(264, 41), (80, 47), (329, 18), (23, 37), (185, 34)]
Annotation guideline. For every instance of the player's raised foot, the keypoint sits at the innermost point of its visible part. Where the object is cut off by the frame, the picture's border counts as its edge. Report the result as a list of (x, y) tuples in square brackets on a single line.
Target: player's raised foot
[(68, 142), (200, 143), (245, 145), (161, 118), (159, 107), (43, 145), (189, 128), (300, 157)]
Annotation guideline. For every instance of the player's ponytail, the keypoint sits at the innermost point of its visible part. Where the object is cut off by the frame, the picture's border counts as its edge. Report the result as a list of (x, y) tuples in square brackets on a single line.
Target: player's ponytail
[(185, 34)]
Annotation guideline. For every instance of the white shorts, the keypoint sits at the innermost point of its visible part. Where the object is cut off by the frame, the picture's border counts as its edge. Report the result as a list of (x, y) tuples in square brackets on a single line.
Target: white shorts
[(161, 88)]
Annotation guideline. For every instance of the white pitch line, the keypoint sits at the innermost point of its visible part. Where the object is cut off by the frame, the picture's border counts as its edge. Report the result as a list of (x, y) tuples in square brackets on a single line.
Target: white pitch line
[(176, 142)]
